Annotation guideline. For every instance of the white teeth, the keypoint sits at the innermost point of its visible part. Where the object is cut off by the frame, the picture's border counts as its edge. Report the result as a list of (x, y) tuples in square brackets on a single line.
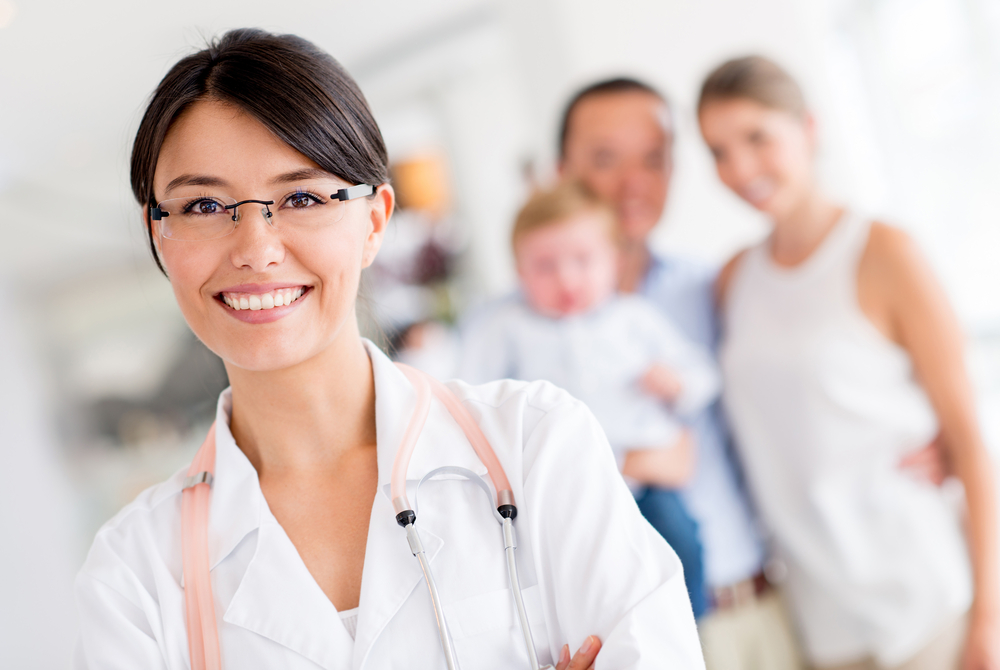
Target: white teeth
[(279, 298)]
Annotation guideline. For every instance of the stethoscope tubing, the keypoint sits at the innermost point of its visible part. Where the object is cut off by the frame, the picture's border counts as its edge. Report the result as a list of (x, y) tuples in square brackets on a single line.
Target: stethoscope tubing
[(417, 547)]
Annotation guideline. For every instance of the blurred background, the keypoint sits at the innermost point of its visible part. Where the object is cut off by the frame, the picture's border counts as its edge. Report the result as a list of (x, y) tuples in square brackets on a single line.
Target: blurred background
[(104, 391)]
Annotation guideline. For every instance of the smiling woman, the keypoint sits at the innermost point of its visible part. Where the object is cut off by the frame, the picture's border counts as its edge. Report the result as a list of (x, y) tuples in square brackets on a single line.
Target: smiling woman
[(262, 177)]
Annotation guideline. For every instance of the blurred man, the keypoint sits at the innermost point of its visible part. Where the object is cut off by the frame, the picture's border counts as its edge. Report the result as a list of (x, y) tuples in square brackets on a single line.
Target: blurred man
[(617, 138)]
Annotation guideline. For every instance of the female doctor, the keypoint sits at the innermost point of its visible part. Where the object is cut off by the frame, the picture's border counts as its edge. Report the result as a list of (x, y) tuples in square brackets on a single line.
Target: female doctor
[(264, 182)]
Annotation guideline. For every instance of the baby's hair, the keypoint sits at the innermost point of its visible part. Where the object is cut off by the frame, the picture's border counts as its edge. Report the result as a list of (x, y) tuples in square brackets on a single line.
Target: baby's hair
[(554, 206), (753, 78)]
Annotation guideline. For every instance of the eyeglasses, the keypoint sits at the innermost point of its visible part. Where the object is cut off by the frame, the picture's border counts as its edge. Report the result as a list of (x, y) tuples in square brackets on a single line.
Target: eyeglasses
[(209, 217)]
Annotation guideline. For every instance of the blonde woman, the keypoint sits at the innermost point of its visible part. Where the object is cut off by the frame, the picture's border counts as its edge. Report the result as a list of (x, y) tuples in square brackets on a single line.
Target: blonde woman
[(841, 354)]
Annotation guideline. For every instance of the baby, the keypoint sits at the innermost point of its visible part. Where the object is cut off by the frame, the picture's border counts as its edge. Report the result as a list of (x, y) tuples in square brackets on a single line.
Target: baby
[(617, 353)]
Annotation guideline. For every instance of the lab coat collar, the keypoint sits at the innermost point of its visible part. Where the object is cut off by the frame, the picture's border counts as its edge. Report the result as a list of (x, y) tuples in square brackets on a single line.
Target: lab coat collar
[(277, 597), (237, 501)]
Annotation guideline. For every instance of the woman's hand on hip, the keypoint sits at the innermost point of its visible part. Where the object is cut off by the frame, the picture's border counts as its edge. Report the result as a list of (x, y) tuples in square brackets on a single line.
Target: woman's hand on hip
[(584, 658)]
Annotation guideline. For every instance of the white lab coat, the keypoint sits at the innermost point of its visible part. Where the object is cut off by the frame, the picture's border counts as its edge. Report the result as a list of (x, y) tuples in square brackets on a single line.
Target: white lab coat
[(589, 563)]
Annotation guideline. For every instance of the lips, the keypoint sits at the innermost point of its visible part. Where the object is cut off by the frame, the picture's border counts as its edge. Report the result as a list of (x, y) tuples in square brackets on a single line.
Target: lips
[(757, 191), (256, 303)]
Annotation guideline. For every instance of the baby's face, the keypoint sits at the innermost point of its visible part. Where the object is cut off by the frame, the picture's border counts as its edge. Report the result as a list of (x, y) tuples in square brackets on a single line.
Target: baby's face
[(568, 267)]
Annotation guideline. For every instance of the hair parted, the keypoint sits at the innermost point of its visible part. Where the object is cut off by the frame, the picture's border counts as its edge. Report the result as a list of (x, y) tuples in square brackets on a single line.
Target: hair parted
[(553, 206), (604, 87), (292, 87), (753, 78)]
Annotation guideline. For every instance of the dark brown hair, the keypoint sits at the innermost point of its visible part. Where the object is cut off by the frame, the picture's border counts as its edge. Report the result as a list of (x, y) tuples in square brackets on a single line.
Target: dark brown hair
[(753, 78), (605, 87), (296, 90)]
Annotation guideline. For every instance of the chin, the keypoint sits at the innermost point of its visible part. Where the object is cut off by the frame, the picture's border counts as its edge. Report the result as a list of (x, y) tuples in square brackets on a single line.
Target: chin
[(263, 356), (637, 231)]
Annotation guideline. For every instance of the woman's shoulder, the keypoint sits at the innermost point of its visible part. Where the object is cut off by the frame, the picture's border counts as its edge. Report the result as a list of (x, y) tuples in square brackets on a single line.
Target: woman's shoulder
[(889, 244), (891, 261), (136, 532), (539, 395)]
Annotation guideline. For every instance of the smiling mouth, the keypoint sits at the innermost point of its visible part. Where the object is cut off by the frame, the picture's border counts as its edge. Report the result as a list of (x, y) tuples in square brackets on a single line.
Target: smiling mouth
[(259, 301)]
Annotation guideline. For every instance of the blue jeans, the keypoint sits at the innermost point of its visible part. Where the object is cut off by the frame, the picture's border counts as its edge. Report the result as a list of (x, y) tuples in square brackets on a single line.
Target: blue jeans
[(665, 511)]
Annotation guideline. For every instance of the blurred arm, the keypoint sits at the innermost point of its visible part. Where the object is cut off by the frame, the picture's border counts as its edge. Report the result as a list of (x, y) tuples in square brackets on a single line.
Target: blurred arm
[(899, 292), (697, 377), (666, 468)]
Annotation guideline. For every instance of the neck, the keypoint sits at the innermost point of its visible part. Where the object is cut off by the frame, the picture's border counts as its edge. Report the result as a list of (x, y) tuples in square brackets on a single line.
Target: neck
[(633, 264), (799, 231), (308, 416)]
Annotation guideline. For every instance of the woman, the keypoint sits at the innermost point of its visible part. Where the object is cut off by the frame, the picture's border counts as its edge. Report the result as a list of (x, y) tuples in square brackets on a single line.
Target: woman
[(235, 161), (840, 354)]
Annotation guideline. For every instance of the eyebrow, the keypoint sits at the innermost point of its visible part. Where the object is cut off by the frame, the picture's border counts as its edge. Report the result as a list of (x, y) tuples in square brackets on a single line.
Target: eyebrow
[(209, 180), (194, 180), (299, 175)]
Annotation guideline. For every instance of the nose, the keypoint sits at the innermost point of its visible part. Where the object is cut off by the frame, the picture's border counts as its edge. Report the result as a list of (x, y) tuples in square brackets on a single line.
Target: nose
[(256, 243)]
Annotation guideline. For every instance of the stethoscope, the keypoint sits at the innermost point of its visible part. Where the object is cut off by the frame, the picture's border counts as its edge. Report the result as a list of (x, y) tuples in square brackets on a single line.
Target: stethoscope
[(203, 634)]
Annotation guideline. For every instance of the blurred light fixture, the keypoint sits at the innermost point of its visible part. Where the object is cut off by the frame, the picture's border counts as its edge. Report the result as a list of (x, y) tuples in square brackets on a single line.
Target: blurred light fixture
[(8, 10)]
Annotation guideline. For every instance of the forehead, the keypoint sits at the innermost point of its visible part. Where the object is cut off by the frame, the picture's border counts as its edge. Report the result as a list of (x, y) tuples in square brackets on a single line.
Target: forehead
[(589, 227), (220, 140), (627, 118)]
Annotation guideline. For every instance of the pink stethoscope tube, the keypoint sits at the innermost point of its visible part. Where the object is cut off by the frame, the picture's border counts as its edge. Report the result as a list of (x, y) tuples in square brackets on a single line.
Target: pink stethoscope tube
[(425, 385), (203, 634)]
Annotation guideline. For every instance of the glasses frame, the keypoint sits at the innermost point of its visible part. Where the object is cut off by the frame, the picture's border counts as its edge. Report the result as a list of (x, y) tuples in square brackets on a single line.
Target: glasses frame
[(344, 194)]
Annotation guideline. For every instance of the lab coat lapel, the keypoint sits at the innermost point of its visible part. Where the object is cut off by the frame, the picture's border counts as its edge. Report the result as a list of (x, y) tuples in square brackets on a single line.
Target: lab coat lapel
[(279, 599), (391, 573), (277, 596)]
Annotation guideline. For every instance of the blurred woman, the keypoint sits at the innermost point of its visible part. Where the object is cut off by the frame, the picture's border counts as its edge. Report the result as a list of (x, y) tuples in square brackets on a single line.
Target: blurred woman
[(840, 354)]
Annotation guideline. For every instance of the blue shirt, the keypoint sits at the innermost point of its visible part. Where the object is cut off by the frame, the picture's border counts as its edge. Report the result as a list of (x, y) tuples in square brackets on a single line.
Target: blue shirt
[(599, 357), (716, 498)]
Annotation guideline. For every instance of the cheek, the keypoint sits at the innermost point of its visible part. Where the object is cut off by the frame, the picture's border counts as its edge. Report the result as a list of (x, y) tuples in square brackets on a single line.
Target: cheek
[(727, 175), (190, 266), (789, 157)]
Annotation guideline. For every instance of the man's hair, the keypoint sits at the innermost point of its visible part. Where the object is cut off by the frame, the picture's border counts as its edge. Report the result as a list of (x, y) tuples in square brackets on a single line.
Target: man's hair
[(556, 205), (605, 87)]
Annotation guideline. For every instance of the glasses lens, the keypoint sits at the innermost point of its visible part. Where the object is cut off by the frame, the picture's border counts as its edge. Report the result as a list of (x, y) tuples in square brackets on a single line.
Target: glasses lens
[(308, 206), (202, 217)]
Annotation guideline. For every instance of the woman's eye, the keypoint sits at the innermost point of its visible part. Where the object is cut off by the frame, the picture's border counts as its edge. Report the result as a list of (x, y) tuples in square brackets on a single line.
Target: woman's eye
[(205, 207), (300, 200)]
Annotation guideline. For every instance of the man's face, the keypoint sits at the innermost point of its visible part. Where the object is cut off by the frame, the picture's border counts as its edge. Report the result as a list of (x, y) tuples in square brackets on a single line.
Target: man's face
[(619, 145)]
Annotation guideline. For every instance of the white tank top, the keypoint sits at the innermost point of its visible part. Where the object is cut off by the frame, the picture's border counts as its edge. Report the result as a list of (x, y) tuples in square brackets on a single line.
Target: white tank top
[(823, 407)]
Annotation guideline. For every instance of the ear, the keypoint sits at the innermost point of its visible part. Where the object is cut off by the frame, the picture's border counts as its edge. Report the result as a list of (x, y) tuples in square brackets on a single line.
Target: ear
[(382, 206), (153, 231)]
